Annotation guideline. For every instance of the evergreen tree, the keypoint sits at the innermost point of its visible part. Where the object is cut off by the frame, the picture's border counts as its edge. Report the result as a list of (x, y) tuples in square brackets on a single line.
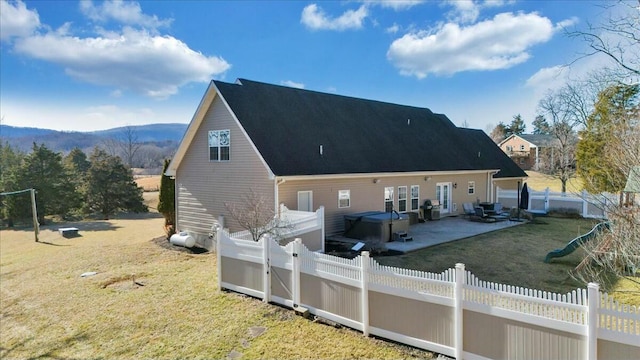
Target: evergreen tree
[(615, 111), (77, 161), (42, 170), (166, 205), (541, 126), (110, 186), (11, 207), (517, 126)]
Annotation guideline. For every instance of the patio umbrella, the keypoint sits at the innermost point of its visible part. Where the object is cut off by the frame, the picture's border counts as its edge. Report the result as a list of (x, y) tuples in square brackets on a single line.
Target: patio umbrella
[(524, 197)]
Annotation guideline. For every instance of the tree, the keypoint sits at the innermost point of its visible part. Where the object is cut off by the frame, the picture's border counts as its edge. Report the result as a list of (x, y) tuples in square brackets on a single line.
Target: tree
[(11, 207), (126, 144), (608, 132), (617, 37), (541, 126), (499, 132), (129, 145), (560, 160), (166, 205), (42, 169), (110, 186), (517, 126), (256, 215), (77, 162)]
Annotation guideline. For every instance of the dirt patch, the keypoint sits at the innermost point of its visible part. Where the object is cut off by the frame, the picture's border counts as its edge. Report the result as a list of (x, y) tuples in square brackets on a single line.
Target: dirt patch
[(163, 242), (124, 282)]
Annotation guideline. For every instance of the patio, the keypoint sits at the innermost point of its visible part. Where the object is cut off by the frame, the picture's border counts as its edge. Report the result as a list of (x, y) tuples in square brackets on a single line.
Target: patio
[(436, 232)]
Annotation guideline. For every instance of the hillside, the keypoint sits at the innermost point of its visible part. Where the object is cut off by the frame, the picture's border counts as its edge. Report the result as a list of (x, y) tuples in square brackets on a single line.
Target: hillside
[(156, 141), (23, 137)]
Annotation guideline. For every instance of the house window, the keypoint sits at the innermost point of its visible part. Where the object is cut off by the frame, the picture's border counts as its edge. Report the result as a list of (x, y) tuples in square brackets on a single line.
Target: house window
[(415, 197), (402, 198), (219, 145), (521, 161), (509, 148), (472, 188), (521, 147), (344, 198), (388, 199)]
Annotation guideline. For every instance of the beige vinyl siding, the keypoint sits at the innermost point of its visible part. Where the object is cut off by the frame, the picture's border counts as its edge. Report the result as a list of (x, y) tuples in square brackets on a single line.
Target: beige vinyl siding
[(368, 196), (203, 186)]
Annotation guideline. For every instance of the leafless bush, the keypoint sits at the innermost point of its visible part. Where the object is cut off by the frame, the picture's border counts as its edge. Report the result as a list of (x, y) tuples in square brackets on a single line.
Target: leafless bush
[(257, 215)]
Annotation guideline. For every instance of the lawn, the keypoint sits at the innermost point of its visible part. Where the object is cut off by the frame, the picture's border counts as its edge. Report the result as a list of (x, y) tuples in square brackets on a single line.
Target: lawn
[(146, 301), (513, 256), (539, 181)]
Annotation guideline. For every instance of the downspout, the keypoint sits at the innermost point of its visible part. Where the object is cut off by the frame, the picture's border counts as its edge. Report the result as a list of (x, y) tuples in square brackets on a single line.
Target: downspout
[(490, 186), (277, 182)]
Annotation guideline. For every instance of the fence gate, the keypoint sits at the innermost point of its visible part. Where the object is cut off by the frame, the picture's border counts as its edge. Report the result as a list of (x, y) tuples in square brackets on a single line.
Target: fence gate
[(281, 272)]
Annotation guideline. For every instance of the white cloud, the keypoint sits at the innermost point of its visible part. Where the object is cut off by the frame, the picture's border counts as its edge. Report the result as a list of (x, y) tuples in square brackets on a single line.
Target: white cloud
[(392, 29), (464, 11), (16, 20), (548, 78), (498, 43), (128, 13), (292, 84), (397, 5), (315, 18), (133, 59)]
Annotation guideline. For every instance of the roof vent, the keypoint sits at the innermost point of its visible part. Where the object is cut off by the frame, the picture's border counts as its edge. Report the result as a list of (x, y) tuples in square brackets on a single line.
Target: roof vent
[(408, 121), (321, 150)]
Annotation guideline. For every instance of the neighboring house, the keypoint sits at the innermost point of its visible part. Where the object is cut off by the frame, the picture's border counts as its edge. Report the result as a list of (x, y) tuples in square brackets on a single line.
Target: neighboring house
[(526, 150), (306, 149)]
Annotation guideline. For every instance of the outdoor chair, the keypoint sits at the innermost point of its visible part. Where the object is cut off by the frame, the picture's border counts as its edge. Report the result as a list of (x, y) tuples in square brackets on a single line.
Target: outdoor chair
[(480, 215), (468, 209)]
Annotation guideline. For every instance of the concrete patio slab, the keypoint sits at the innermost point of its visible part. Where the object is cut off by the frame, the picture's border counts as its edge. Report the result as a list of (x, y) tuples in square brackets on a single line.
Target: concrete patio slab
[(436, 232)]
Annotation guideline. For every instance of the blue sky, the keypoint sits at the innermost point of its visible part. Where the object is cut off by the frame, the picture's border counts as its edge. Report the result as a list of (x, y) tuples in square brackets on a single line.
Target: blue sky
[(90, 65)]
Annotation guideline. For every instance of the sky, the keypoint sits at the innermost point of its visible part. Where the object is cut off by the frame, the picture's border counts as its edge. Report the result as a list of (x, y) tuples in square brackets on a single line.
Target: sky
[(89, 65)]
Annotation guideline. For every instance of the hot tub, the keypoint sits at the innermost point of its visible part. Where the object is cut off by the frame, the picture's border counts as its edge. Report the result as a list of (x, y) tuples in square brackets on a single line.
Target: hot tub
[(374, 225)]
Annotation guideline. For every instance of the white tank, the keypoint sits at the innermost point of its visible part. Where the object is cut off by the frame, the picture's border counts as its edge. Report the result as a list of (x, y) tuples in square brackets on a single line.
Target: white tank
[(182, 239)]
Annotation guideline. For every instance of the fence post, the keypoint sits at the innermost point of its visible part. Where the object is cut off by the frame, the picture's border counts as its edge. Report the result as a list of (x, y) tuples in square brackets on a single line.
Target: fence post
[(219, 234), (296, 271), (364, 276), (585, 204), (266, 268), (593, 300), (546, 200), (321, 220), (459, 311)]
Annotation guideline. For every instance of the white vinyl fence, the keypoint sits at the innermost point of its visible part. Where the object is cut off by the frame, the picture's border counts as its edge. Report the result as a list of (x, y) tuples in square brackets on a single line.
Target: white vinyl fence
[(452, 313), (541, 202)]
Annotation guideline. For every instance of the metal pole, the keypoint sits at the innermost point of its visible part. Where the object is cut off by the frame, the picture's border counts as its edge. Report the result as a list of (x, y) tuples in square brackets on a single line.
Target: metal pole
[(36, 225)]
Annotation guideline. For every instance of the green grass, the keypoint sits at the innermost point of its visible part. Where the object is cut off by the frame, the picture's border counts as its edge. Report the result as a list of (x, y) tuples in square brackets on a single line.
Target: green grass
[(48, 311), (513, 256)]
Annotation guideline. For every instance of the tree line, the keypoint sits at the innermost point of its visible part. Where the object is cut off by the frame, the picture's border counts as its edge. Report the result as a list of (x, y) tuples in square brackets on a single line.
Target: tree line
[(595, 123), (67, 186)]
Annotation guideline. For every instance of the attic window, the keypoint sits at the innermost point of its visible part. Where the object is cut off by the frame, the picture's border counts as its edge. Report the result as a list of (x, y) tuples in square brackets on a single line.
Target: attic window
[(219, 145)]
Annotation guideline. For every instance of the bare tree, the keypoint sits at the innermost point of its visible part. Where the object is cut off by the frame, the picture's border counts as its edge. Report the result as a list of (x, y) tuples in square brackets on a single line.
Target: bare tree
[(617, 37), (257, 215), (124, 145), (129, 144), (559, 160)]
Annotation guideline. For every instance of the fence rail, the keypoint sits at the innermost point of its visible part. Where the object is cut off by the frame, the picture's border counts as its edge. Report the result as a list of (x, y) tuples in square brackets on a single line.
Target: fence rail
[(586, 204), (453, 313)]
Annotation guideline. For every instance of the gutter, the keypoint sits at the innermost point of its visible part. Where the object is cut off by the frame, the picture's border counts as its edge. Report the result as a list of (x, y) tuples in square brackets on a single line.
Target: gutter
[(277, 182)]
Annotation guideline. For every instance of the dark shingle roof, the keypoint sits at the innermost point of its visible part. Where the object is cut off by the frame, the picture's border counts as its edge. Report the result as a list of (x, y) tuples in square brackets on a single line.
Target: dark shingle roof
[(490, 156), (540, 140), (288, 126)]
